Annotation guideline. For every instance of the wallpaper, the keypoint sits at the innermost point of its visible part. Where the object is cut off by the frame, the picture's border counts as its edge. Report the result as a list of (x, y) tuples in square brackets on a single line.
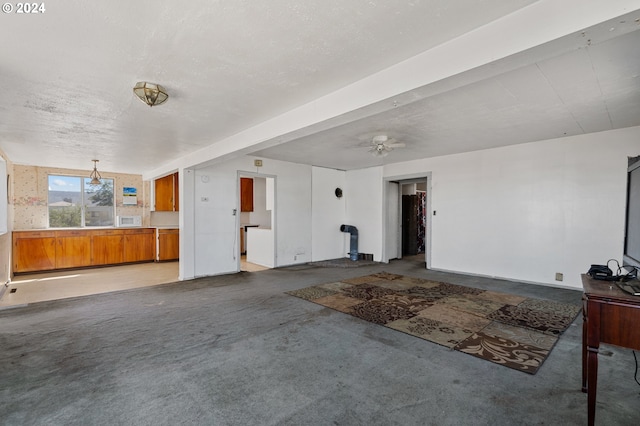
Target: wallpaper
[(29, 189)]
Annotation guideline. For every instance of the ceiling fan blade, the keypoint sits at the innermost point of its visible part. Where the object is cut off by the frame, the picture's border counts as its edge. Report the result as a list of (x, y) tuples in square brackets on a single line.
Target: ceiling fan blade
[(397, 145)]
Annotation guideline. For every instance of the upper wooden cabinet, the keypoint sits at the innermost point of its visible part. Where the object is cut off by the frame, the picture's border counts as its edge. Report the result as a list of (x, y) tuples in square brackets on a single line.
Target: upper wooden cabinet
[(167, 193), (246, 194)]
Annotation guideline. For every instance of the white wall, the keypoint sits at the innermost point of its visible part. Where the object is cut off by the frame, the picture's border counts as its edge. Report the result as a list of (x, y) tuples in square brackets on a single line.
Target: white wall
[(217, 229), (328, 213), (363, 197), (528, 211)]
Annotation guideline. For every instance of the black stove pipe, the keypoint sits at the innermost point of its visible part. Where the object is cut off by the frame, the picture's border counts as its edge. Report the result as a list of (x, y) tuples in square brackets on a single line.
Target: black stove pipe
[(353, 249)]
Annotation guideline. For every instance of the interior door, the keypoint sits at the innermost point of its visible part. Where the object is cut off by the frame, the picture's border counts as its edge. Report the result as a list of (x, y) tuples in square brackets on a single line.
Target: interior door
[(392, 236)]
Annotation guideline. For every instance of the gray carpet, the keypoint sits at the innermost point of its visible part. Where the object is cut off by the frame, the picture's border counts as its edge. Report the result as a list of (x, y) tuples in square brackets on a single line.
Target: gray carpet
[(236, 350), (343, 262)]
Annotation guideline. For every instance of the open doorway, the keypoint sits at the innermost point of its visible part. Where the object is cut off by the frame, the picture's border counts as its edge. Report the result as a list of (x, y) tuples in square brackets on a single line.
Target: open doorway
[(408, 218), (414, 218), (256, 222)]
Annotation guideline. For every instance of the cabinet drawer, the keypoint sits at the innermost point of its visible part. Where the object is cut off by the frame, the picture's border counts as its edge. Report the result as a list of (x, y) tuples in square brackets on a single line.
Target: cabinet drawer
[(107, 232), (138, 231), (72, 233), (33, 234)]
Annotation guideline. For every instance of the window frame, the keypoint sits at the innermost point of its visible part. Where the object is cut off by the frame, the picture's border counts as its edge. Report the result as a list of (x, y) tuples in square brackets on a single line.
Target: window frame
[(83, 204)]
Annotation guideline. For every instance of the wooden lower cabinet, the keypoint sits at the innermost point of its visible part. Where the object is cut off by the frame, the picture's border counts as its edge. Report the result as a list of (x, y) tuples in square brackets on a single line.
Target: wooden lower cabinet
[(48, 250), (107, 249), (168, 244), (35, 251), (73, 251), (139, 245)]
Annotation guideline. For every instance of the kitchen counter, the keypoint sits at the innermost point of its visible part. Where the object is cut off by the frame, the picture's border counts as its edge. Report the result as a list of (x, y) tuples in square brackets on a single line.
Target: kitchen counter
[(65, 248)]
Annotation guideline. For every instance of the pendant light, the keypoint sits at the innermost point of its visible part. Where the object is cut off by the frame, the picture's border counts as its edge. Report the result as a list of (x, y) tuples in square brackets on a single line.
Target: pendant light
[(95, 175)]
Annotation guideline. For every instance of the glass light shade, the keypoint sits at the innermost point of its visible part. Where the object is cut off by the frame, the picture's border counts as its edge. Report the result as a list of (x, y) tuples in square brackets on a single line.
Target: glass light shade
[(95, 174), (150, 93)]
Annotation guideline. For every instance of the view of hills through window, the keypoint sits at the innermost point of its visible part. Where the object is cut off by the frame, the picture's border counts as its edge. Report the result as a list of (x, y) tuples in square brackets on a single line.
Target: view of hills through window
[(73, 202)]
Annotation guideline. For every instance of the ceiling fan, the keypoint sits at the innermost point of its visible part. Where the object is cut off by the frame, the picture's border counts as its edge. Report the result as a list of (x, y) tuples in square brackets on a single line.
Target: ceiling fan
[(381, 145)]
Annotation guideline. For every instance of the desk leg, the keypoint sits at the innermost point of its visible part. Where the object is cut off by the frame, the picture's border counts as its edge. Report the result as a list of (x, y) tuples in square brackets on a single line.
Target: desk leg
[(592, 378), (584, 350)]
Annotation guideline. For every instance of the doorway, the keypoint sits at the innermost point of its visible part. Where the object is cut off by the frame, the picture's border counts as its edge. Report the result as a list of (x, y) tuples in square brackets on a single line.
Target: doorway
[(407, 218), (414, 218), (256, 222)]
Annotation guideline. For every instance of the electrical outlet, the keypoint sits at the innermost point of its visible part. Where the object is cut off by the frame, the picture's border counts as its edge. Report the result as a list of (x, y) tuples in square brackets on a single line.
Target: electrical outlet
[(559, 276), (295, 257)]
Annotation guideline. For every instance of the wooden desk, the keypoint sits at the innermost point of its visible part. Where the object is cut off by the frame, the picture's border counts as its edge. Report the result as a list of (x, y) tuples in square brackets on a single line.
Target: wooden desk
[(610, 316)]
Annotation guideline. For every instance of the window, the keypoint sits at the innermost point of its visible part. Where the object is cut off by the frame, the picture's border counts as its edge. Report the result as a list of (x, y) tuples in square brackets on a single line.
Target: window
[(74, 202)]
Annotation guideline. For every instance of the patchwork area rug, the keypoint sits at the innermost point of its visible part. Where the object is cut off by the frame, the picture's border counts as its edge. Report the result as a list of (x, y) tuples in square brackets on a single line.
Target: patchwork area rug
[(514, 331)]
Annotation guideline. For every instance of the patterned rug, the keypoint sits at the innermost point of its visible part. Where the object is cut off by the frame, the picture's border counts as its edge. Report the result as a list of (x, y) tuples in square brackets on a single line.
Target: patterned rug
[(514, 331)]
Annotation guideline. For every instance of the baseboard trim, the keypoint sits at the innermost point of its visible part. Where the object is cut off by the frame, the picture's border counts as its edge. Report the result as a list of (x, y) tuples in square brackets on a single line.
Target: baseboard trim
[(564, 287)]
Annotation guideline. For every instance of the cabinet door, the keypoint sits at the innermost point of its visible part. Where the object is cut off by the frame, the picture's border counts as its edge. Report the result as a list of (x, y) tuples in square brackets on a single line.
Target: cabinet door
[(73, 252), (176, 193), (34, 254), (168, 245), (140, 246), (164, 193), (246, 195), (107, 249)]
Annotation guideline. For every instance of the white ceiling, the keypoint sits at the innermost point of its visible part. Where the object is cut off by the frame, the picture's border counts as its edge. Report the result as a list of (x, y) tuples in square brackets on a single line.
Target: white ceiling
[(67, 75)]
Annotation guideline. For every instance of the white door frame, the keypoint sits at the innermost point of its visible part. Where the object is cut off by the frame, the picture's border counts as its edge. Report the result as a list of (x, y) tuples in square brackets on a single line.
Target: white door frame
[(246, 174), (397, 203)]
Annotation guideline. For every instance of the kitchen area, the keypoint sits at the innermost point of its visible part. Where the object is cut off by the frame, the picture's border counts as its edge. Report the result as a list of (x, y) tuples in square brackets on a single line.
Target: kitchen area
[(141, 248), (137, 251), (256, 221), (130, 240)]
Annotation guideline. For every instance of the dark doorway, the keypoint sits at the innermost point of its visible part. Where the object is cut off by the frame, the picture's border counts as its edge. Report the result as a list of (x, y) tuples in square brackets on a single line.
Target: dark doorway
[(413, 223), (409, 225)]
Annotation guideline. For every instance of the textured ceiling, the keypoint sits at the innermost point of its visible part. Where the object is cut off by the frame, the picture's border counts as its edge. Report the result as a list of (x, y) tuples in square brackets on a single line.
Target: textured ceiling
[(67, 75), (585, 90)]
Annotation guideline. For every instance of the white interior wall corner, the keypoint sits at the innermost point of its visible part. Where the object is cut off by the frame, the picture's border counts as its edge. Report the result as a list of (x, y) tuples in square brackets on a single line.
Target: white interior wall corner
[(364, 209), (328, 213), (216, 228), (527, 211)]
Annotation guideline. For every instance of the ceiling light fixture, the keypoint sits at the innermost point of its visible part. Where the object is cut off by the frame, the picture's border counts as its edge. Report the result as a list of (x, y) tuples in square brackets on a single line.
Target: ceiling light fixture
[(382, 145), (150, 93), (95, 175)]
